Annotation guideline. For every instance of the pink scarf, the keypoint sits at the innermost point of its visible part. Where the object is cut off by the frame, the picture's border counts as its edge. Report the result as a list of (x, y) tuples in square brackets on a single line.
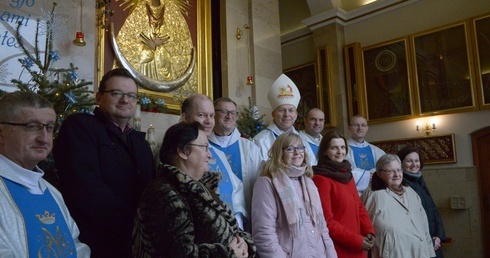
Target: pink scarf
[(290, 202)]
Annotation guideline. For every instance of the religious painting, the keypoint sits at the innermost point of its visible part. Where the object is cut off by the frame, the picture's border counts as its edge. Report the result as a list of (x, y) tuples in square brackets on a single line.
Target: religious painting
[(165, 44), (326, 98), (482, 35), (443, 74), (304, 76), (436, 149), (387, 84)]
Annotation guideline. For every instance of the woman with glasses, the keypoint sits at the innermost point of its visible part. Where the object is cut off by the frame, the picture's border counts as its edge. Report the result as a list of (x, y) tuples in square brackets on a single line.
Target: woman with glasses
[(412, 163), (180, 212), (397, 214), (287, 217), (347, 220)]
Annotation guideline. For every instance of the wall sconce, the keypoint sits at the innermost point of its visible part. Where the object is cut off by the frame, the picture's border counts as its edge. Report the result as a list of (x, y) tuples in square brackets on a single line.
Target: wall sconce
[(427, 129), (239, 32)]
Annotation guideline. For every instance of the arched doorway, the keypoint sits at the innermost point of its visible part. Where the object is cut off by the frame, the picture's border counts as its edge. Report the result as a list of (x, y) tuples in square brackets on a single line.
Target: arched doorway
[(480, 141)]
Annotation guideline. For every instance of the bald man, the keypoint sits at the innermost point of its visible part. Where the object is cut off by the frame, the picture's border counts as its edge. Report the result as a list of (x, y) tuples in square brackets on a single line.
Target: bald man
[(199, 108)]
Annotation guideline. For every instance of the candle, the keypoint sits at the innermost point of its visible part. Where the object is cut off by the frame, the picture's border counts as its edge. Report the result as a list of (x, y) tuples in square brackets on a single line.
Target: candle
[(151, 135), (137, 114), (137, 118)]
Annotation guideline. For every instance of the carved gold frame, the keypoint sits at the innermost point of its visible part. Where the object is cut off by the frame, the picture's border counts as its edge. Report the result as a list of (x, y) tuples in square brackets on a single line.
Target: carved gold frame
[(203, 64), (436, 149), (387, 84), (451, 40)]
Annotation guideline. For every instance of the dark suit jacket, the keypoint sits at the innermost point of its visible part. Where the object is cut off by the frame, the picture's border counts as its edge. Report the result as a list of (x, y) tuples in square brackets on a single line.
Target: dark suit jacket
[(102, 175)]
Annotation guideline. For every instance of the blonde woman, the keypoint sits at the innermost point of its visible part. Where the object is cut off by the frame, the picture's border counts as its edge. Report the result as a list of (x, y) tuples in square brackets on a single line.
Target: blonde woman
[(287, 217)]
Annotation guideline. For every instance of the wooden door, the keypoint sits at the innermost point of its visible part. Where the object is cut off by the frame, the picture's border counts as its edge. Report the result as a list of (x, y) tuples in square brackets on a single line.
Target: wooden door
[(481, 159)]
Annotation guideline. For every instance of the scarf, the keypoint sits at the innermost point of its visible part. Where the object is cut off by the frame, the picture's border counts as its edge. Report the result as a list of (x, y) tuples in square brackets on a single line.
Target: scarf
[(400, 190), (412, 176), (289, 199), (341, 172)]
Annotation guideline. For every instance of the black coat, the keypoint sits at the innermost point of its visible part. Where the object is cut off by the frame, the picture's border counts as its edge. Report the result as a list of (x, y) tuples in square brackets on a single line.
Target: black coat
[(436, 228), (102, 175)]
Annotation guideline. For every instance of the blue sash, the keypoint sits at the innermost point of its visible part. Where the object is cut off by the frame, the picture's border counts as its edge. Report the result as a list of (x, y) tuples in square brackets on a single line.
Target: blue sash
[(314, 148), (225, 186), (46, 230), (363, 157), (233, 156)]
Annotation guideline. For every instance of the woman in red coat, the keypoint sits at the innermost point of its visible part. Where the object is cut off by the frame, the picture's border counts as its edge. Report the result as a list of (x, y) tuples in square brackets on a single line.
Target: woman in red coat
[(347, 220)]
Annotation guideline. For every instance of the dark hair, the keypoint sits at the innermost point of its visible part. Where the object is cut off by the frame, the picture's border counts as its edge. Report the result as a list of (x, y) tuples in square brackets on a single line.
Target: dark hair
[(11, 103), (121, 72), (176, 139), (325, 143), (407, 150)]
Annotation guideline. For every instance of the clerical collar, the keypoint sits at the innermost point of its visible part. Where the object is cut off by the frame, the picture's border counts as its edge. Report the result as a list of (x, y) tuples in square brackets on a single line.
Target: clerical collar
[(357, 144), (313, 138), (223, 140)]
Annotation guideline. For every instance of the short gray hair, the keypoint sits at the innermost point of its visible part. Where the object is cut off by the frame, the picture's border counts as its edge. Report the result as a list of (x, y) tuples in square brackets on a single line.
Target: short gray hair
[(386, 159), (11, 103)]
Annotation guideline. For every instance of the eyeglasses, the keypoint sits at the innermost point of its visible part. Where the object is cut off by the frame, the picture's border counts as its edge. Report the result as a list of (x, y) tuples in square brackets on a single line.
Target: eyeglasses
[(391, 171), (205, 146), (117, 94), (292, 149), (225, 112), (33, 127), (358, 125)]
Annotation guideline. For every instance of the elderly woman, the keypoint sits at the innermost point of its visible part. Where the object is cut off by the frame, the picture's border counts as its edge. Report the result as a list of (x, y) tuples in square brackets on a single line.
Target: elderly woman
[(401, 226), (412, 163), (347, 220), (180, 212), (287, 218)]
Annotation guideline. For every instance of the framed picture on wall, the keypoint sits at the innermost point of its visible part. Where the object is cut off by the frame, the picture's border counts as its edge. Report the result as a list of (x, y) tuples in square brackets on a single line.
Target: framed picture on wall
[(482, 36), (354, 81), (305, 78), (442, 70), (387, 84)]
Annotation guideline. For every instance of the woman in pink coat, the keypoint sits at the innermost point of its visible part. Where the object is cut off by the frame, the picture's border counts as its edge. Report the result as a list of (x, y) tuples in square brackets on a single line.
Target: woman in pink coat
[(347, 220), (287, 218)]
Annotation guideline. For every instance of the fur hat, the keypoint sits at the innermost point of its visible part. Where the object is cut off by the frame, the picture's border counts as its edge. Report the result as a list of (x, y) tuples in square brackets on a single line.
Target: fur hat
[(283, 91)]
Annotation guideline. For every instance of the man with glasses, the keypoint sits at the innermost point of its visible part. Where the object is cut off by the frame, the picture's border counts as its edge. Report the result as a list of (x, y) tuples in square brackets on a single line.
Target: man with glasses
[(362, 155), (284, 98), (104, 165), (32, 210), (242, 154), (312, 134), (199, 108)]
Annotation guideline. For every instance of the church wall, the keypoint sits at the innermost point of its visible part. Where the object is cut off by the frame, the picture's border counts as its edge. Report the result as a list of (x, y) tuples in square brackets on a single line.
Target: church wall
[(446, 180)]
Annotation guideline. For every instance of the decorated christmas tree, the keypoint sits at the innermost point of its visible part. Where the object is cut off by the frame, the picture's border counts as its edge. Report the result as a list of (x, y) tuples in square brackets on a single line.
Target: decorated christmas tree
[(250, 122), (61, 86)]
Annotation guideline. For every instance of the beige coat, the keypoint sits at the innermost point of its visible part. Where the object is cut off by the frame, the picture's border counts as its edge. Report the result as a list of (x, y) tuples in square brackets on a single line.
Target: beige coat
[(402, 230)]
